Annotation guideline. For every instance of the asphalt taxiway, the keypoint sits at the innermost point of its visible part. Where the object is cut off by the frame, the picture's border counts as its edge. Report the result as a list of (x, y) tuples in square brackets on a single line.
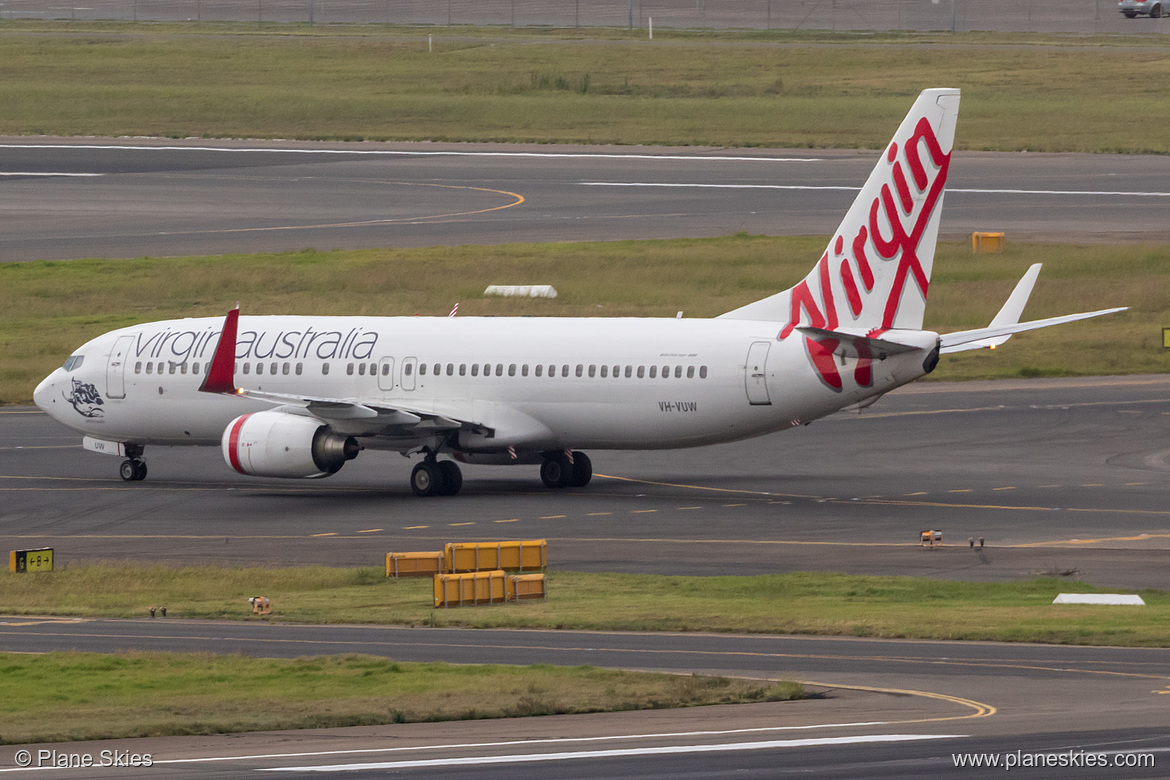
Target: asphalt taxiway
[(69, 198), (1059, 476), (887, 708)]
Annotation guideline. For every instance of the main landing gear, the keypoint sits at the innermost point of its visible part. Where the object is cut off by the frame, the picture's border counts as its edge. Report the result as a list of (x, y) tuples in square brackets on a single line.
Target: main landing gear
[(564, 469), (434, 477), (133, 469)]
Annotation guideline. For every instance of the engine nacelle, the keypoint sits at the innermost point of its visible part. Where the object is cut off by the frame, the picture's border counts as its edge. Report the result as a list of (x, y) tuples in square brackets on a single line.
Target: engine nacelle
[(276, 444)]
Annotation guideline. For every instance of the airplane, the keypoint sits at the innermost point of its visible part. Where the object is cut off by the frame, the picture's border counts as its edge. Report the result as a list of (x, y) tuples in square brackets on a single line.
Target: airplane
[(299, 396)]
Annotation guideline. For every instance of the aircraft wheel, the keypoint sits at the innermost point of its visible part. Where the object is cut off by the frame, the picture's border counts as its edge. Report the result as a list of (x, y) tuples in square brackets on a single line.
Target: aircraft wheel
[(556, 471), (452, 478), (426, 479), (128, 471), (582, 470), (139, 470)]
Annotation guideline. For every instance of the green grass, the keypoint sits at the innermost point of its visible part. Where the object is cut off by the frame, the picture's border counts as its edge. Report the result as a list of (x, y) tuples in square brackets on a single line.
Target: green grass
[(84, 696), (805, 603), (48, 309), (728, 89)]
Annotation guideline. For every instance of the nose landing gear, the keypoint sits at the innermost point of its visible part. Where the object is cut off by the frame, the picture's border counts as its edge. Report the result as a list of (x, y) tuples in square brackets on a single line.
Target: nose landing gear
[(133, 470)]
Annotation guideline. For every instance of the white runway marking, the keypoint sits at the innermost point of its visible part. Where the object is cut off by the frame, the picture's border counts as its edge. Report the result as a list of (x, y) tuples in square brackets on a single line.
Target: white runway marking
[(419, 153), (698, 185), (33, 173), (622, 753)]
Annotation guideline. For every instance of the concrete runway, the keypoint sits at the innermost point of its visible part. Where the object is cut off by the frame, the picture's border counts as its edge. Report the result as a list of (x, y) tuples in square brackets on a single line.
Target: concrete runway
[(66, 199), (1056, 475)]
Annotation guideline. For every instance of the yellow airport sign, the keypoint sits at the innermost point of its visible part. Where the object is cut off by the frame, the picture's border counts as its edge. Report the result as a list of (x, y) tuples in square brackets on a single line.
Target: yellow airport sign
[(20, 561)]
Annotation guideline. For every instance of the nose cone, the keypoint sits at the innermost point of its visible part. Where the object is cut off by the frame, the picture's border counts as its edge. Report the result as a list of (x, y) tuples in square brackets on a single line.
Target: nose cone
[(45, 396)]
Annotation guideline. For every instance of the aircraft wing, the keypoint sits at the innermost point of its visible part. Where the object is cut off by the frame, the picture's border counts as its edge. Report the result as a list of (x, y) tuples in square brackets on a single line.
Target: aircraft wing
[(354, 416)]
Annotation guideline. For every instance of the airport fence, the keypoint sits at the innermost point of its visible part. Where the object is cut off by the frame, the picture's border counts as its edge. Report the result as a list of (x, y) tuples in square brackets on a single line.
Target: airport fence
[(1077, 16)]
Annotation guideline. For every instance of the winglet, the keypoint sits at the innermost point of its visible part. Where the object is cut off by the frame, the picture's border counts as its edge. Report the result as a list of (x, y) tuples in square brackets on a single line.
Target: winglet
[(221, 376)]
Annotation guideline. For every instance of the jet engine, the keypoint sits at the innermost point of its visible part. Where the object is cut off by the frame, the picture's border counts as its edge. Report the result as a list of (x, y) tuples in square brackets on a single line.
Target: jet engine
[(278, 444)]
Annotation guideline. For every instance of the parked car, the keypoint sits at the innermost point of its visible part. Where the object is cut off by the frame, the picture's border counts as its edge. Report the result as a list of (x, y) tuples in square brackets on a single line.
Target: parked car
[(1131, 8)]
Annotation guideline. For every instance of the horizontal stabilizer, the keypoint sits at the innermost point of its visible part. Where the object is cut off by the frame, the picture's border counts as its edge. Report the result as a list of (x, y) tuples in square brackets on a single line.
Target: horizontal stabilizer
[(990, 337), (853, 343)]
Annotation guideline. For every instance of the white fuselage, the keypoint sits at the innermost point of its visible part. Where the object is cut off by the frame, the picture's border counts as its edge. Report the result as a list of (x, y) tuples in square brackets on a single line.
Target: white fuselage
[(533, 383)]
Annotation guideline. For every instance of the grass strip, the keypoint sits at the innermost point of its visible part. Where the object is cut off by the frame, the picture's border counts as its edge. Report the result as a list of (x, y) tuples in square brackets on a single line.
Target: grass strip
[(725, 89), (85, 696), (48, 309), (797, 603)]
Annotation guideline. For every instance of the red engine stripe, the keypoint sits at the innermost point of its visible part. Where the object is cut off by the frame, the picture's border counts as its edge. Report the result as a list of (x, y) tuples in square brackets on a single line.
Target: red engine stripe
[(234, 441)]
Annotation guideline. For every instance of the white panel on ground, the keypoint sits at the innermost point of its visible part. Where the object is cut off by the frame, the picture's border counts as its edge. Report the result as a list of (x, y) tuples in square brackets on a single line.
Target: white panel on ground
[(1099, 598), (521, 290)]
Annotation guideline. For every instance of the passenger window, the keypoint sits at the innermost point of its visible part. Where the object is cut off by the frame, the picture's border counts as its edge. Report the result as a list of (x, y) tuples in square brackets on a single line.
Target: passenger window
[(408, 369), (702, 372), (362, 369), (552, 370), (678, 372), (524, 370), (690, 372), (324, 368), (450, 369), (604, 371), (653, 372), (511, 369), (462, 369), (592, 370), (172, 368), (247, 367), (629, 371), (539, 369), (182, 368), (438, 369), (259, 369), (150, 368), (422, 369), (349, 369), (499, 369), (564, 370), (374, 369), (298, 368), (195, 368), (272, 368), (666, 372), (475, 369), (641, 371), (138, 367), (284, 369)]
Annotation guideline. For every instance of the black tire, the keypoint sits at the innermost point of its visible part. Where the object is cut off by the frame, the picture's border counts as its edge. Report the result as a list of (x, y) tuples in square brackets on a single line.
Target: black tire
[(452, 478), (426, 479), (128, 471), (582, 470), (139, 470), (1156, 12), (556, 471)]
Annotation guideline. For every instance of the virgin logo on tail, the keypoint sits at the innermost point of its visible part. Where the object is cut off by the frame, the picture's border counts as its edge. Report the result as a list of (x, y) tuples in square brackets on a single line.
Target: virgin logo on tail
[(875, 253)]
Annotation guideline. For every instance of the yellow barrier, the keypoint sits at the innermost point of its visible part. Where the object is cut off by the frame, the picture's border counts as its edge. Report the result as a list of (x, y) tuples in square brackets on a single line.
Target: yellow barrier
[(414, 564), (481, 587), (526, 586), (487, 556), (986, 242)]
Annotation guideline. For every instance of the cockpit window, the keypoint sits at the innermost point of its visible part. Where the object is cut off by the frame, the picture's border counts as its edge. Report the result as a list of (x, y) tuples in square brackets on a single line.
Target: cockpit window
[(74, 362)]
